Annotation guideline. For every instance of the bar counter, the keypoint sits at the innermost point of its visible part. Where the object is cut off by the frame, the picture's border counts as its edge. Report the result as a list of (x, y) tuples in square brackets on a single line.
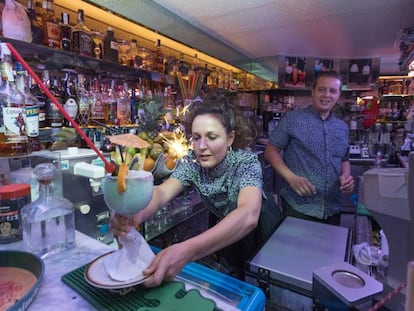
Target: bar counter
[(228, 293)]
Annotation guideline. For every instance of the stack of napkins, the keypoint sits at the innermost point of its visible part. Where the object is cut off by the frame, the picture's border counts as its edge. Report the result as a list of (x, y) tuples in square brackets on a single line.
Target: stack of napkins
[(128, 262)]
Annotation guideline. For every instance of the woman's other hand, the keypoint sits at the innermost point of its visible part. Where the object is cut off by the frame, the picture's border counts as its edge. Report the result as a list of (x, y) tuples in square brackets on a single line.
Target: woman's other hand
[(166, 265)]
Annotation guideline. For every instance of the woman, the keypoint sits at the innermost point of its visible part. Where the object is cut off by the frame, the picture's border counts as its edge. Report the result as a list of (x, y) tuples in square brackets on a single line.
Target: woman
[(228, 179)]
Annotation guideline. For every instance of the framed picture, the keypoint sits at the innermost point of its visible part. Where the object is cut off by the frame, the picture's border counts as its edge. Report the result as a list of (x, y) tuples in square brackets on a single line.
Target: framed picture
[(293, 72), (361, 73)]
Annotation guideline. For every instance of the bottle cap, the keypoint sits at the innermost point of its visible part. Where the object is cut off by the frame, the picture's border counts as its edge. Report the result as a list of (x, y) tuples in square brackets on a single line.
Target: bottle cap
[(65, 18), (45, 172), (13, 191)]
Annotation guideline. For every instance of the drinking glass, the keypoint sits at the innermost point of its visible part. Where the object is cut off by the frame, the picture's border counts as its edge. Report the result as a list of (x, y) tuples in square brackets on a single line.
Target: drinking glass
[(97, 37)]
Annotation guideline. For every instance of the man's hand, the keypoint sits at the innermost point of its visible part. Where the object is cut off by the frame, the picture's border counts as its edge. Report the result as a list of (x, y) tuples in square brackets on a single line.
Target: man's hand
[(302, 186), (347, 183)]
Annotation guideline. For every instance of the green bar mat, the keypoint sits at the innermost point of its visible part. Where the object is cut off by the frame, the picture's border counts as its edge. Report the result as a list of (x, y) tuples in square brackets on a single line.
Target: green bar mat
[(169, 296)]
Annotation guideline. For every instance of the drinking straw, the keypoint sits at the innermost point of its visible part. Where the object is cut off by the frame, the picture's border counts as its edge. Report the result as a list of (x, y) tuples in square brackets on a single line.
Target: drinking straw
[(109, 167)]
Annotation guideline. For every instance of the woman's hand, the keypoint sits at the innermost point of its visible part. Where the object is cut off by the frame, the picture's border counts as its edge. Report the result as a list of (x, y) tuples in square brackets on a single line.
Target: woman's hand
[(166, 265), (120, 224), (347, 183), (301, 185)]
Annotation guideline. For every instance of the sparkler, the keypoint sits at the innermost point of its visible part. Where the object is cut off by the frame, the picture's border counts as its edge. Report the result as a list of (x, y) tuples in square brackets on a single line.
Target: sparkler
[(178, 145)]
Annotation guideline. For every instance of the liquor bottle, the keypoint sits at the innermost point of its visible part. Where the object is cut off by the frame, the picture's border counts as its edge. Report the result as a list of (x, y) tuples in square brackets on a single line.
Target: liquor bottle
[(13, 139), (41, 97), (48, 223), (96, 103), (83, 102), (134, 57), (66, 33), (110, 46), (54, 117), (35, 24), (122, 106), (51, 28), (158, 58), (109, 102), (70, 100), (31, 115), (82, 37)]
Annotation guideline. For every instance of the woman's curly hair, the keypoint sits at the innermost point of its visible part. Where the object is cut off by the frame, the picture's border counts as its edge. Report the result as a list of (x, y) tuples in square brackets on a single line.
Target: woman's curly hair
[(231, 118)]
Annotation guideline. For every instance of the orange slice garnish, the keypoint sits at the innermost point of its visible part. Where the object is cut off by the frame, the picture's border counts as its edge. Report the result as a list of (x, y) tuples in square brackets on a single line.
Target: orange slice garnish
[(122, 174)]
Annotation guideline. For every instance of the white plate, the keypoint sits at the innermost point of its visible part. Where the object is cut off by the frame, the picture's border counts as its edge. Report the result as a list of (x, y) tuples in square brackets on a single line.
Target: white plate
[(96, 275)]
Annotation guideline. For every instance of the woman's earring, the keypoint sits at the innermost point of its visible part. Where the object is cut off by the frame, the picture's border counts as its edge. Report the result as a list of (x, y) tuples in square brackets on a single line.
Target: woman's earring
[(230, 149)]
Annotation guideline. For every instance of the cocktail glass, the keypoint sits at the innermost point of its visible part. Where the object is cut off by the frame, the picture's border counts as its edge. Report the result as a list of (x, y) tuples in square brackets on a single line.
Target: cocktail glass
[(138, 193)]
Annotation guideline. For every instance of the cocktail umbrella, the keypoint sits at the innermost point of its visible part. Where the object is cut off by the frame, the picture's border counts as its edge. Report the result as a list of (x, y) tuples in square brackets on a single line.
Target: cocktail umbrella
[(129, 140)]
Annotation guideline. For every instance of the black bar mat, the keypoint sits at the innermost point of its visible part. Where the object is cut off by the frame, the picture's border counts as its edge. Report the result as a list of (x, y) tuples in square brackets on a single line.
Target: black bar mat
[(167, 297)]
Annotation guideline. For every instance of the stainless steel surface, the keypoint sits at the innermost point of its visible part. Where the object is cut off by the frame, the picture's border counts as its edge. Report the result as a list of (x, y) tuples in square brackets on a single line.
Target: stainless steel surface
[(341, 285), (348, 279), (297, 248)]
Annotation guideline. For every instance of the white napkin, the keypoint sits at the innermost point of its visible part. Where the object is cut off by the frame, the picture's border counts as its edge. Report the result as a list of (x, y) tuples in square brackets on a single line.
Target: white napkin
[(128, 262)]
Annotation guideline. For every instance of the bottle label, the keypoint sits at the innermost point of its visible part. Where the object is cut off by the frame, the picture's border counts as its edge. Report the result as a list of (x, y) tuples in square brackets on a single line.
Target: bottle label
[(53, 34), (13, 120), (71, 107), (113, 45), (66, 42), (83, 115), (97, 109), (54, 115), (112, 107), (82, 43), (32, 121), (122, 111)]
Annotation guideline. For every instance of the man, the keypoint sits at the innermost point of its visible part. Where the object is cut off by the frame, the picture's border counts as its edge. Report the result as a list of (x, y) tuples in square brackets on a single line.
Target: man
[(315, 166)]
